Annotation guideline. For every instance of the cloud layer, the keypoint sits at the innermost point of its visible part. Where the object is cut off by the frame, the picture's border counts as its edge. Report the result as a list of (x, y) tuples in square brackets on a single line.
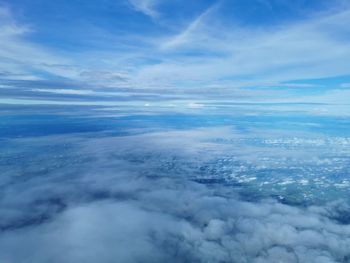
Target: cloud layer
[(107, 199)]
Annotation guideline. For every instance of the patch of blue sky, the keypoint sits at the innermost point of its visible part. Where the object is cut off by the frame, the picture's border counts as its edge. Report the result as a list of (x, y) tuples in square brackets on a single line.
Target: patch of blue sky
[(337, 82)]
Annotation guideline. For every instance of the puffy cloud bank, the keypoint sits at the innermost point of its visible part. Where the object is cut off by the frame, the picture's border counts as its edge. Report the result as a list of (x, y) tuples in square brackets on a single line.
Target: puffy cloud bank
[(114, 202)]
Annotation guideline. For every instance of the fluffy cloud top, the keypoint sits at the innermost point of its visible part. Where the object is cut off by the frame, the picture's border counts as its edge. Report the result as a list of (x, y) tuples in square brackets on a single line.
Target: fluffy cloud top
[(107, 199)]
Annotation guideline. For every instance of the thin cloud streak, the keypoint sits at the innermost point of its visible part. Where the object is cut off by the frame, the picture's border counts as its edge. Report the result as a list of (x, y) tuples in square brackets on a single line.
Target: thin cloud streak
[(185, 36), (146, 7), (306, 50)]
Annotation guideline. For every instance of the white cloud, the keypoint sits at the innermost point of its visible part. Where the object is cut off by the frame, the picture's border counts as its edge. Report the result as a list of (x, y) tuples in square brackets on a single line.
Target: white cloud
[(186, 35), (210, 58), (66, 91), (313, 48), (19, 57), (146, 6), (102, 202), (9, 27)]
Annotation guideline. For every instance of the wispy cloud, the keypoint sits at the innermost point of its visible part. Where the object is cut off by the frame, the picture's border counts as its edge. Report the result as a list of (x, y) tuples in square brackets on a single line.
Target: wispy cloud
[(345, 85), (202, 53), (314, 48), (147, 7), (19, 58), (188, 34)]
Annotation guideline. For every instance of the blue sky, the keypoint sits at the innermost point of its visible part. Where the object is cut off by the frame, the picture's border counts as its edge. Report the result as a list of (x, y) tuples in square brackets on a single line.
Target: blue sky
[(240, 51)]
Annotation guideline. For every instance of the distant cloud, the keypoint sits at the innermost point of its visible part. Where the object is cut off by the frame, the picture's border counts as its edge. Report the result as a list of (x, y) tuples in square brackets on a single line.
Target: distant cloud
[(147, 7), (20, 57), (9, 27), (201, 56), (186, 35), (106, 78), (345, 85), (246, 56)]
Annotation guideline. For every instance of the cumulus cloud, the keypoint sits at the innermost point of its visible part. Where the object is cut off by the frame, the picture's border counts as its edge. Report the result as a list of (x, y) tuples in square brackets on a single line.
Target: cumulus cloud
[(107, 199), (171, 222)]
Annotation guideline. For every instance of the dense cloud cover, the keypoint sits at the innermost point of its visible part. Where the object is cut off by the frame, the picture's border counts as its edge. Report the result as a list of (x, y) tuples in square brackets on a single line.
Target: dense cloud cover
[(108, 199)]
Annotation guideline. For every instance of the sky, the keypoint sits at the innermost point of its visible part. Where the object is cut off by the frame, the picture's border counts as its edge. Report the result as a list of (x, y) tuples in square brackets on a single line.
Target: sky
[(174, 131), (175, 53)]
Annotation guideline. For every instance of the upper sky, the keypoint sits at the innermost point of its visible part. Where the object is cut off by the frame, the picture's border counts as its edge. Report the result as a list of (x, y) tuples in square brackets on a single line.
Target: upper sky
[(247, 51)]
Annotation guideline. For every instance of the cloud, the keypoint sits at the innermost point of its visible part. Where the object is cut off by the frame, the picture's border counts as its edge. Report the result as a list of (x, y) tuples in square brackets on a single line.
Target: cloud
[(312, 48), (345, 85), (20, 57), (146, 7), (203, 56), (24, 59), (139, 191), (66, 91), (186, 35), (106, 199), (9, 26), (168, 223)]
